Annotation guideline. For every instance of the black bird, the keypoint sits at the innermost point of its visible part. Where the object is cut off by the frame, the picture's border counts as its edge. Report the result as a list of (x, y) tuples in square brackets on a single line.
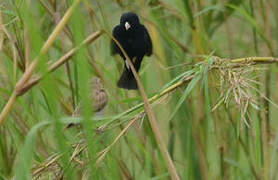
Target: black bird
[(136, 41)]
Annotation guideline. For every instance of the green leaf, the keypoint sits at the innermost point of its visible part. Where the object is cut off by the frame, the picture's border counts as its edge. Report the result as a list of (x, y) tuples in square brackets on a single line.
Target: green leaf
[(26, 154), (187, 91)]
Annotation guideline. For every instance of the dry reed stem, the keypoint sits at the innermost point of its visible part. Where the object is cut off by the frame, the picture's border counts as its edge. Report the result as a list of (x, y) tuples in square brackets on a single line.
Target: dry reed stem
[(46, 164), (268, 93), (29, 71), (7, 107), (255, 60), (26, 76), (157, 96), (155, 128), (59, 62), (1, 32), (63, 59), (165, 92), (27, 48), (47, 8), (106, 150), (150, 114)]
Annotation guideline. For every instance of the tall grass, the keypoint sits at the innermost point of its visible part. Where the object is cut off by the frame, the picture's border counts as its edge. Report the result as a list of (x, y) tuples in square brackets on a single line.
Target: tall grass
[(214, 108)]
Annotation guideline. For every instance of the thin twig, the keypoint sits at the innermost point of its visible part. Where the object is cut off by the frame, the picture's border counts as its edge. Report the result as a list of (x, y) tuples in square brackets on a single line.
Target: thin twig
[(1, 32), (255, 60), (29, 71), (59, 62), (104, 152), (155, 128)]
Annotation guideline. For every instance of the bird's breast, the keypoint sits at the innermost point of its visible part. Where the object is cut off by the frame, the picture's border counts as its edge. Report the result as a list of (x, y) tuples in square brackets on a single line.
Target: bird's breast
[(129, 40)]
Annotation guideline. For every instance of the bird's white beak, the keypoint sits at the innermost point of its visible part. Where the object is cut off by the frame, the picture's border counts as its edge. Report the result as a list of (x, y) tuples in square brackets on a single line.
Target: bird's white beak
[(127, 25)]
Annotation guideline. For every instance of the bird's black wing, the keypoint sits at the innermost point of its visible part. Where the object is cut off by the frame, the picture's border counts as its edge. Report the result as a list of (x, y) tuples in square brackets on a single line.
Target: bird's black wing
[(117, 31), (148, 42)]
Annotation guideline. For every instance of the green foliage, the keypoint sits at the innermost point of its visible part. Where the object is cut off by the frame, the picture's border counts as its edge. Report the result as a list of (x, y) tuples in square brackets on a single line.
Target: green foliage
[(218, 118)]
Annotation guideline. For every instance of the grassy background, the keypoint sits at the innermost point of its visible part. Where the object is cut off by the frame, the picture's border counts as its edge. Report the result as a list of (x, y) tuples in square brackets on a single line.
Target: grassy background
[(220, 125)]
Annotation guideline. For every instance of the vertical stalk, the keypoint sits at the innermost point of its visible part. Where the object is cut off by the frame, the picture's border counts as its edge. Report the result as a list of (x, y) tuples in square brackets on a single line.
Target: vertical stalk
[(266, 123), (31, 68), (155, 128)]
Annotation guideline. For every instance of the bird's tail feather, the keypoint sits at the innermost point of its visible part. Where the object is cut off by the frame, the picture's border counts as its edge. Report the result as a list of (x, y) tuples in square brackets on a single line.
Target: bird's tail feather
[(127, 80)]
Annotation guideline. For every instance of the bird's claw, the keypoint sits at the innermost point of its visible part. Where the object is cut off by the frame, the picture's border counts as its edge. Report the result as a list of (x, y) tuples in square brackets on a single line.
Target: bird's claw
[(133, 60), (126, 64)]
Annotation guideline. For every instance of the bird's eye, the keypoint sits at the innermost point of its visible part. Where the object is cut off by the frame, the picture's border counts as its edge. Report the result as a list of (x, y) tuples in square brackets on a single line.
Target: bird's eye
[(127, 25)]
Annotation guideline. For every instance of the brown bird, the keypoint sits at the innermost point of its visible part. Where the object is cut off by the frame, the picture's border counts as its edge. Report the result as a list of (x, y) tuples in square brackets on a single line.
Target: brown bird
[(98, 97)]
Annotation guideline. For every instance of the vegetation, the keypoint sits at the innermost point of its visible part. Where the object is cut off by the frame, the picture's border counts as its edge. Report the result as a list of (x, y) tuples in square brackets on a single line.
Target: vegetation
[(206, 108)]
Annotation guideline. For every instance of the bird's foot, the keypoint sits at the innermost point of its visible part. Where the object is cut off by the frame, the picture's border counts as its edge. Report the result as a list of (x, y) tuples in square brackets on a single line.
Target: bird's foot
[(126, 64), (134, 59)]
